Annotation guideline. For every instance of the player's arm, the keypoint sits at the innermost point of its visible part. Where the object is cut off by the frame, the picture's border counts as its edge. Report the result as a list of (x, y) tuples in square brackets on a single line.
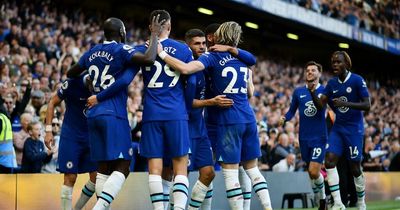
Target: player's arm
[(321, 100), (119, 85), (190, 91), (243, 55), (364, 104), (219, 100), (48, 139), (294, 104), (75, 71), (150, 55), (182, 67), (250, 84)]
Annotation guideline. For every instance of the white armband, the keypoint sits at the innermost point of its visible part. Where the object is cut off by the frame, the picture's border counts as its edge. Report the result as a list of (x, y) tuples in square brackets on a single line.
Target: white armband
[(162, 55), (48, 128)]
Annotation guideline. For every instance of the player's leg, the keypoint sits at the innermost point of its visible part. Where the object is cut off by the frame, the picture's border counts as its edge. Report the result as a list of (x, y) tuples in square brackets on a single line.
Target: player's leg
[(86, 165), (177, 142), (201, 158), (250, 151), (117, 154), (333, 152), (151, 146), (229, 136), (245, 183), (66, 191), (87, 191), (68, 161), (315, 151), (355, 144), (167, 176)]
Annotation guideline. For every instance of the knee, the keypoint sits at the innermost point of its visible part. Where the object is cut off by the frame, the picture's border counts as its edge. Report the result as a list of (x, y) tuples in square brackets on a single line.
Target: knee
[(209, 175), (356, 169), (313, 173), (70, 179)]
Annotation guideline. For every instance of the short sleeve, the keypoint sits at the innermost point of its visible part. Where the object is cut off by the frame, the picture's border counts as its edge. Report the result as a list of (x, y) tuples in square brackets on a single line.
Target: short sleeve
[(63, 91), (362, 87), (206, 60)]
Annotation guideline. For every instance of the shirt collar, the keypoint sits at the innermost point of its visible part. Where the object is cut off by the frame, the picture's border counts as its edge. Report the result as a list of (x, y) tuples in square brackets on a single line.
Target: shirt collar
[(347, 78), (109, 42), (315, 87)]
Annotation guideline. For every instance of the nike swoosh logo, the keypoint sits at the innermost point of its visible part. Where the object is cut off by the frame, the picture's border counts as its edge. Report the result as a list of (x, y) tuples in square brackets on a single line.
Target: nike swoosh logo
[(335, 91), (302, 96)]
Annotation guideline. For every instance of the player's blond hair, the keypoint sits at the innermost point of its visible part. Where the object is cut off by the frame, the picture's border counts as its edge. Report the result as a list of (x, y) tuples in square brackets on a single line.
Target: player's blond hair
[(229, 33)]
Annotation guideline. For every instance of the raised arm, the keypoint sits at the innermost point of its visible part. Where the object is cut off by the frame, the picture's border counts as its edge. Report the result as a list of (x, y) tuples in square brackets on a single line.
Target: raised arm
[(150, 55)]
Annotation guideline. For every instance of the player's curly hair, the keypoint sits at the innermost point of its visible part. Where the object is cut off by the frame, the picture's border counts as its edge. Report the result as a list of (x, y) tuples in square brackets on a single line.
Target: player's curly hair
[(229, 33), (346, 57)]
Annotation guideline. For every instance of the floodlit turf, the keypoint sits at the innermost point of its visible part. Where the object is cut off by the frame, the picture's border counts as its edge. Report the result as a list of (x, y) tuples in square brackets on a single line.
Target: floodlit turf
[(377, 205)]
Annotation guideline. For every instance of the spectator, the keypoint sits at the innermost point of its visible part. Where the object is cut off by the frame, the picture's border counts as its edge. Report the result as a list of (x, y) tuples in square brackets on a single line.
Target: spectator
[(7, 154), (20, 137), (34, 155), (51, 166), (286, 164), (263, 161), (281, 150)]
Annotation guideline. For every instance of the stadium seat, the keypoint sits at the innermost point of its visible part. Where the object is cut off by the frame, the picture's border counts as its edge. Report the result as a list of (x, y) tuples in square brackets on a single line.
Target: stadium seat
[(290, 197)]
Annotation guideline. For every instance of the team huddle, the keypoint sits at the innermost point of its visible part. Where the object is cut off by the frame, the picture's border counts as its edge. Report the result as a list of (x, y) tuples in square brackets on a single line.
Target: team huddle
[(197, 111)]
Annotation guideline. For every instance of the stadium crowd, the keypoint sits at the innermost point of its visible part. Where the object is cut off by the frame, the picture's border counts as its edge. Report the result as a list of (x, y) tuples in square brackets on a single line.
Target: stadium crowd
[(382, 17), (38, 43)]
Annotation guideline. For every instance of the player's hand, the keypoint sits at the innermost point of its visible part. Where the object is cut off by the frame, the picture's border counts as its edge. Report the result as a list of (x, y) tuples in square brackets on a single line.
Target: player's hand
[(222, 101), (220, 48), (157, 25), (311, 85), (49, 140), (338, 103), (91, 101), (281, 121), (159, 47)]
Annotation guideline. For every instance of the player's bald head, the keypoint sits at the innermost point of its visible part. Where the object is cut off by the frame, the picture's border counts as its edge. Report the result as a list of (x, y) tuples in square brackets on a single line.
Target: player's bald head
[(114, 28)]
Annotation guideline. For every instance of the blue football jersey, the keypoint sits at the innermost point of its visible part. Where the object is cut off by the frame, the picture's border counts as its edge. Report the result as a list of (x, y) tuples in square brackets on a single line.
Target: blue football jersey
[(229, 77), (353, 89), (164, 97), (105, 63), (197, 126), (75, 94), (312, 120)]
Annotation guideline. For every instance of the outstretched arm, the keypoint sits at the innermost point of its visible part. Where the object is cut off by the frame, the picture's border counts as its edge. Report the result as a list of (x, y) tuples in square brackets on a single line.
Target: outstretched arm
[(182, 67), (243, 55), (219, 100), (119, 85)]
